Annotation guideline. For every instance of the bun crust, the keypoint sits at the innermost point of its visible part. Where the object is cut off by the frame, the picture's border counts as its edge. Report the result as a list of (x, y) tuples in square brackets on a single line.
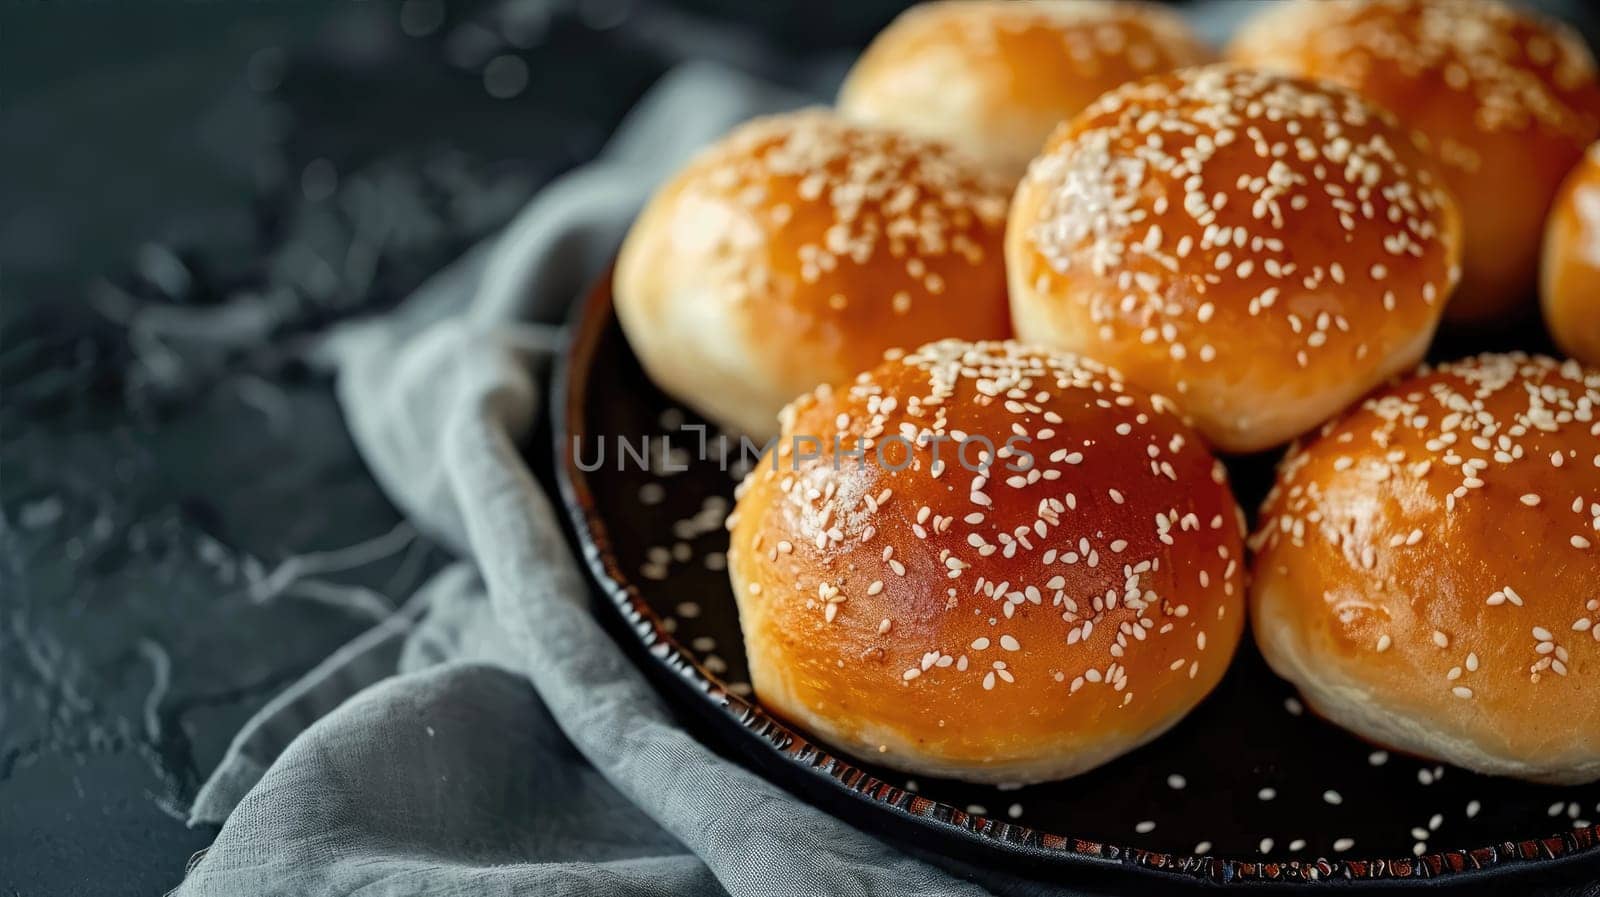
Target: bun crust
[(1506, 100), (1009, 627), (1570, 278), (1427, 567), (796, 251), (994, 77), (1264, 249)]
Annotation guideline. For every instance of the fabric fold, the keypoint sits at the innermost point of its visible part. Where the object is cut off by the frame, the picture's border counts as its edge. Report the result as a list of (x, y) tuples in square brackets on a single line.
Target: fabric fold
[(524, 754)]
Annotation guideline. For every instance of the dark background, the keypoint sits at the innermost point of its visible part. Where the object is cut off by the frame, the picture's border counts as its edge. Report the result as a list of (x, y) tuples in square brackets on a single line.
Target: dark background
[(188, 192)]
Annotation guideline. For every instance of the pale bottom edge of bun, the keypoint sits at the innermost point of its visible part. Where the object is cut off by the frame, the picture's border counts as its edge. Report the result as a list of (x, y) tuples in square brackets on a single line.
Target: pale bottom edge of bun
[(1353, 706), (1246, 416), (884, 746), (699, 357), (1279, 418)]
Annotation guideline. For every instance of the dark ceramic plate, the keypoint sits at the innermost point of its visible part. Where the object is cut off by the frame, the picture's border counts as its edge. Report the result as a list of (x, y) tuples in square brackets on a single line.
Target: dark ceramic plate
[(1248, 789)]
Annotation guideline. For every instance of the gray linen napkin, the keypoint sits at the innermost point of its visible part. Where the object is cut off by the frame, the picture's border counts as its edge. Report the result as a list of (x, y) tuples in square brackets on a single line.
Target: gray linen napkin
[(490, 738)]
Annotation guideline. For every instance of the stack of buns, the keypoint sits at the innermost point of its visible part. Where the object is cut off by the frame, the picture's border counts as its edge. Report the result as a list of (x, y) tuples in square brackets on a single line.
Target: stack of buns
[(1000, 308)]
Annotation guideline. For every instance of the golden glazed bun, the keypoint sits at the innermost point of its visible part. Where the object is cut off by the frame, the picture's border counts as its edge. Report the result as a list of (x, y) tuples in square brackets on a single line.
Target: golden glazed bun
[(1019, 625), (994, 77), (796, 251), (1263, 249), (1570, 288), (1506, 100), (1428, 568)]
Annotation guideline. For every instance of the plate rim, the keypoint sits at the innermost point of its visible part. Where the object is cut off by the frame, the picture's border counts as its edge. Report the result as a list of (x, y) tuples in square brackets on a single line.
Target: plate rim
[(588, 320)]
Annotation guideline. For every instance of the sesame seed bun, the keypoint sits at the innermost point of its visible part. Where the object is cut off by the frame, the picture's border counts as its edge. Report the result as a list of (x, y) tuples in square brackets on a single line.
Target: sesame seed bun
[(796, 251), (1506, 100), (1427, 567), (1021, 624), (994, 77), (1570, 277), (1263, 249)]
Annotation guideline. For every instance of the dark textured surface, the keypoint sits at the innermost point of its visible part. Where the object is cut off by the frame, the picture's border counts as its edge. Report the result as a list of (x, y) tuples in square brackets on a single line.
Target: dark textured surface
[(169, 240)]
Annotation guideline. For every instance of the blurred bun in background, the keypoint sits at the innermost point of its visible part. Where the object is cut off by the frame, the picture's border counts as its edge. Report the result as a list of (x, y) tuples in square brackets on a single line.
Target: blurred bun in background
[(1263, 249), (1506, 99), (1570, 279), (797, 250), (994, 77)]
